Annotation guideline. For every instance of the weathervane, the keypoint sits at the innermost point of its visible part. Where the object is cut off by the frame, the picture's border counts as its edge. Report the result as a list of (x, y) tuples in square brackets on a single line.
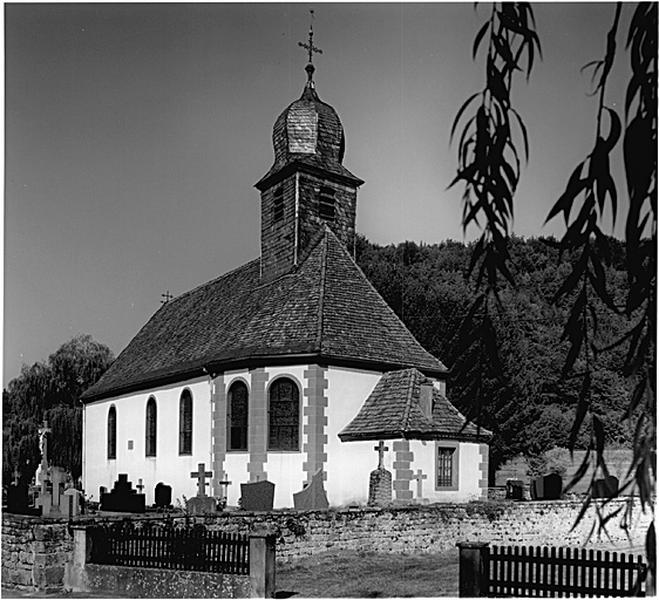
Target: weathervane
[(310, 48)]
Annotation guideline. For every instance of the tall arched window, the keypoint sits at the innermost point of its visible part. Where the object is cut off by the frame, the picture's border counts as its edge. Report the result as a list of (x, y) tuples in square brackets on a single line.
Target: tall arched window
[(185, 423), (237, 412), (151, 423), (112, 432), (284, 415)]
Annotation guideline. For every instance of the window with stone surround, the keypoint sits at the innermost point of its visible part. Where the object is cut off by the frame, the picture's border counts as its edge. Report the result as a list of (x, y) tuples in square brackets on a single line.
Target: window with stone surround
[(326, 203), (284, 415), (112, 433), (237, 413), (446, 466), (185, 423), (150, 434), (278, 204)]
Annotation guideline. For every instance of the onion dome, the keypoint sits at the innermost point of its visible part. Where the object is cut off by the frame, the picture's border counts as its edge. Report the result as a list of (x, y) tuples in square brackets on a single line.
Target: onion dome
[(308, 133)]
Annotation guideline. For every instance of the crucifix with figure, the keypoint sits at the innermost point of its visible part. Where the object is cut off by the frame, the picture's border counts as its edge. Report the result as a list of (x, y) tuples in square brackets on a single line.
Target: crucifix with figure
[(381, 449), (201, 475)]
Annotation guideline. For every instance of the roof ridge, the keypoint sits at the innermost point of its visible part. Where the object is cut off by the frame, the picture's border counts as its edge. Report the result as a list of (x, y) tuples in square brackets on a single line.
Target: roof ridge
[(408, 400)]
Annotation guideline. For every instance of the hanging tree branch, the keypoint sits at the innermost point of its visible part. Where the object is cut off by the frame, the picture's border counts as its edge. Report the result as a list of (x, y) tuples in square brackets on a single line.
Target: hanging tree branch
[(489, 168)]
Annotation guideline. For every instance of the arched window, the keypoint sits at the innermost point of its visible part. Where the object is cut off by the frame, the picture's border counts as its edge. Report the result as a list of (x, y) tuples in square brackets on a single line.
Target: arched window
[(237, 411), (284, 415), (112, 432), (151, 418), (185, 423), (326, 204)]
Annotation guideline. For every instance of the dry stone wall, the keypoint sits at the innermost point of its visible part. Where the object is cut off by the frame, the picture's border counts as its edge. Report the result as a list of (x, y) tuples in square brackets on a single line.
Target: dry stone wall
[(34, 552)]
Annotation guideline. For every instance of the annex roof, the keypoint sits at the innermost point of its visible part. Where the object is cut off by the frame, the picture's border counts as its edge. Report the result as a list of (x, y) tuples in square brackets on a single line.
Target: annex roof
[(394, 410), (323, 310)]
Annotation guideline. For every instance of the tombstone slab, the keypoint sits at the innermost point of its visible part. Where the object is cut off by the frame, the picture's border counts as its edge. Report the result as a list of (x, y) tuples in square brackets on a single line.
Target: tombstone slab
[(201, 505), (257, 496), (123, 498), (163, 495), (605, 488), (70, 503), (312, 496), (379, 488)]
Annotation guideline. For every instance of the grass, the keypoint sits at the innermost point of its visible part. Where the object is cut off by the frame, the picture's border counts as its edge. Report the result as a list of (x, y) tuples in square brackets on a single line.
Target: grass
[(354, 574)]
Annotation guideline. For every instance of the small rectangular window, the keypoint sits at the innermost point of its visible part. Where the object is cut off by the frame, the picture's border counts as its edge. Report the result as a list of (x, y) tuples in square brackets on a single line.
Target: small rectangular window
[(446, 467), (278, 205), (326, 204)]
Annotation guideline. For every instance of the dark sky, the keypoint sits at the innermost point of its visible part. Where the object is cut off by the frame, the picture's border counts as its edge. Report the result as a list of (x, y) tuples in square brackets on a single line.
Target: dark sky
[(135, 133)]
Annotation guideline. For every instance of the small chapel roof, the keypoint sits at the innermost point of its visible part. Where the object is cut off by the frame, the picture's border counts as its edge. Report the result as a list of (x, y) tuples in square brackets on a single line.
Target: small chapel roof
[(322, 310), (394, 410)]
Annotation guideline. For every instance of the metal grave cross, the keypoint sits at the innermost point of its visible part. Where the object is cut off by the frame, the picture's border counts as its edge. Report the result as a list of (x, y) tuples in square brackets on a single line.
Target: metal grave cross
[(420, 476), (139, 486), (309, 47), (201, 475), (381, 449), (224, 491)]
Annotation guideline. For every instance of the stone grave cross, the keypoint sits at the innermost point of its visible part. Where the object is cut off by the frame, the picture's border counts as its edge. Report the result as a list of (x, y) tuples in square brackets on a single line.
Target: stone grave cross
[(224, 488), (140, 486), (381, 449), (201, 475), (420, 476)]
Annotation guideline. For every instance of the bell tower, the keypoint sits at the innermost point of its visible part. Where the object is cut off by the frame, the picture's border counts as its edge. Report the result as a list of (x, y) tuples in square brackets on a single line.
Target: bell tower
[(307, 186)]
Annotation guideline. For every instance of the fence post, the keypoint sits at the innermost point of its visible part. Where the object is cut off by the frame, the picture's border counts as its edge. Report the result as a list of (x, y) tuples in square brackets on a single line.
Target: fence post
[(262, 565), (474, 569)]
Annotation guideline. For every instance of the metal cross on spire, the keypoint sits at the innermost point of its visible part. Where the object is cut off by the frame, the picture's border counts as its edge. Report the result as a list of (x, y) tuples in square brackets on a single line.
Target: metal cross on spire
[(310, 48)]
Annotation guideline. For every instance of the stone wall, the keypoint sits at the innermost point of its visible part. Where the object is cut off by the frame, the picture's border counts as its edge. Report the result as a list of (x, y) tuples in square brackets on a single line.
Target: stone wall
[(135, 582), (34, 552), (437, 528)]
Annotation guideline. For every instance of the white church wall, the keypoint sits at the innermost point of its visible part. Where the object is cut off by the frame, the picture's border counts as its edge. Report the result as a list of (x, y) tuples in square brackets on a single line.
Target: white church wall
[(468, 472), (349, 464), (167, 466)]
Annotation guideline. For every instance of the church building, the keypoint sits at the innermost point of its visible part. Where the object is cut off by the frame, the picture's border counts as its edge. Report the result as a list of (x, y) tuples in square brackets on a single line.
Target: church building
[(288, 366)]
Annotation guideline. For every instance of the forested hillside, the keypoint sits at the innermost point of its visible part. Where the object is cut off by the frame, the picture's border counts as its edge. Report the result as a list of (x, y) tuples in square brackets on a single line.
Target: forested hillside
[(530, 408)]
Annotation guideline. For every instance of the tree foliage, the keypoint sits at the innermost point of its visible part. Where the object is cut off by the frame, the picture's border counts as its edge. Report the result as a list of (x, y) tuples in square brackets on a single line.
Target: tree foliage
[(530, 408), (590, 191), (51, 392)]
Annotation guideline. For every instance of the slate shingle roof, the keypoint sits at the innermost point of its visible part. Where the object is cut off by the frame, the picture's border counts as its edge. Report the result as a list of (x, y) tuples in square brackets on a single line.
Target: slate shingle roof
[(393, 411), (324, 310)]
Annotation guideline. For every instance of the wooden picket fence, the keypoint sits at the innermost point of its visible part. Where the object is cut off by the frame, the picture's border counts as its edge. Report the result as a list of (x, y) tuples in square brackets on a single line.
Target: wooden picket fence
[(542, 571), (191, 549)]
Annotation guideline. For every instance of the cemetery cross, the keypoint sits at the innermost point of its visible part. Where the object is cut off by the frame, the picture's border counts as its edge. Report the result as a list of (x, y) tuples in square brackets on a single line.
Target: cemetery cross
[(139, 486), (381, 449), (201, 475), (420, 476)]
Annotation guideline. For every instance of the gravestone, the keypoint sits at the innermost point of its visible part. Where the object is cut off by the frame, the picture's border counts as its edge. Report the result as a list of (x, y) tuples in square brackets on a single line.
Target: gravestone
[(419, 477), (17, 498), (379, 482), (257, 496), (605, 488), (123, 498), (70, 505), (514, 489), (163, 495), (312, 496), (548, 487), (201, 504)]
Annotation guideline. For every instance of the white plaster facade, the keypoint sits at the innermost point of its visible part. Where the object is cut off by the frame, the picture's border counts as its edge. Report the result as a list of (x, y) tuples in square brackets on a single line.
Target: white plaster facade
[(347, 465)]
